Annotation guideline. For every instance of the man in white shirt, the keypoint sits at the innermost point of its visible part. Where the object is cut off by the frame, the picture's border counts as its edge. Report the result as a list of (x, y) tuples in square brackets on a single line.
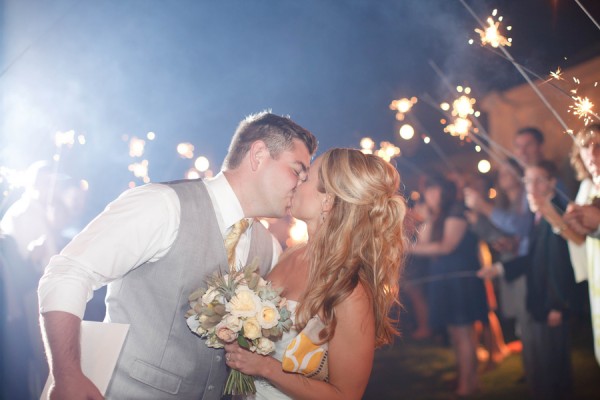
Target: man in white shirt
[(153, 246)]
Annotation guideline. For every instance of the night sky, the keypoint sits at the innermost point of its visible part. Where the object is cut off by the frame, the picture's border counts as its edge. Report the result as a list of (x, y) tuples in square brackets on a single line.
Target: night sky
[(189, 70)]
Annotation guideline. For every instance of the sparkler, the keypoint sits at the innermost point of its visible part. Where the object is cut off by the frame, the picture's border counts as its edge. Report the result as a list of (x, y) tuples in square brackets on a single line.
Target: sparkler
[(588, 14), (402, 106), (525, 76), (491, 34), (387, 150), (556, 75), (582, 109)]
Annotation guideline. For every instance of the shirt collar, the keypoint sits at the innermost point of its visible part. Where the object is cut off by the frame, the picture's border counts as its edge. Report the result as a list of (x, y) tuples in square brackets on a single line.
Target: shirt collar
[(225, 202)]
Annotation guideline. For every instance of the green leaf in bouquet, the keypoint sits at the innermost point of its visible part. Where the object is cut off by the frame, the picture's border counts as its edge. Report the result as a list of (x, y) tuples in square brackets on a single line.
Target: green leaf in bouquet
[(242, 341)]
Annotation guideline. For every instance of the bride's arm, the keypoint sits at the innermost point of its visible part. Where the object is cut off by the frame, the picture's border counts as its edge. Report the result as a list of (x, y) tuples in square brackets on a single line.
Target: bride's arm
[(350, 357)]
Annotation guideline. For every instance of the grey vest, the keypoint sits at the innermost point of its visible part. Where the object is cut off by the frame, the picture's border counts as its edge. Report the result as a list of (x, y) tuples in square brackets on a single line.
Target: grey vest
[(162, 358)]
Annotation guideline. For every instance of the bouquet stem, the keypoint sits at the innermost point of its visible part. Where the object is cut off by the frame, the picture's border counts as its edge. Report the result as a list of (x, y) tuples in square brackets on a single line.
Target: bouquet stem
[(239, 384)]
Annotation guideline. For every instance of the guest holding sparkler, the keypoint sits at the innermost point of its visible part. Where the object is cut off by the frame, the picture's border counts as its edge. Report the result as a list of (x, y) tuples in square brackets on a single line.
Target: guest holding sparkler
[(457, 299), (550, 284), (506, 224), (584, 218)]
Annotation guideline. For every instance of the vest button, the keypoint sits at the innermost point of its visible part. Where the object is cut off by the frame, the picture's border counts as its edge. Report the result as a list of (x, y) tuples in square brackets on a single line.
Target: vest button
[(217, 358), (210, 387)]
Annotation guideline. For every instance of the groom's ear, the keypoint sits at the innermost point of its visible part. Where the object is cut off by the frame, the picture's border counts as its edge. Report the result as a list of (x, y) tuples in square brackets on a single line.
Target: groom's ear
[(257, 153)]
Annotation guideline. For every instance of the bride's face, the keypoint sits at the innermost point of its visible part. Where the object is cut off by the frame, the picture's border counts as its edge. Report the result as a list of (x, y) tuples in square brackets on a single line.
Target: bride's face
[(307, 201)]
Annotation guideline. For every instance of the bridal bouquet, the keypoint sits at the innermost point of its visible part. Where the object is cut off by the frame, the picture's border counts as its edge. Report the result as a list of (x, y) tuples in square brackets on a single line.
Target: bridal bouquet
[(239, 306)]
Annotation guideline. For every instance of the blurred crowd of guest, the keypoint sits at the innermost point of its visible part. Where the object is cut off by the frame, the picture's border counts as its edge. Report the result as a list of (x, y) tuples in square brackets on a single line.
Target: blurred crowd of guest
[(484, 266), (34, 227)]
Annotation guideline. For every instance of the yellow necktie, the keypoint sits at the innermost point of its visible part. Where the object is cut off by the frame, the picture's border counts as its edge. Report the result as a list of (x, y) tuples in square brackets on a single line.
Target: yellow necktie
[(232, 240)]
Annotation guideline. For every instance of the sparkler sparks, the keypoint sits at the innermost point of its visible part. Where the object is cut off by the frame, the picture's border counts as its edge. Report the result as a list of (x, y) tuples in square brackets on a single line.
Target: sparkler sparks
[(582, 109), (556, 75), (491, 34), (402, 106), (462, 108)]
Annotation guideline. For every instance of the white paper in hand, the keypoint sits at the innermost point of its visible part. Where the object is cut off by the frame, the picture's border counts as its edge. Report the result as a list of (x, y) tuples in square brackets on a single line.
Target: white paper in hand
[(101, 344)]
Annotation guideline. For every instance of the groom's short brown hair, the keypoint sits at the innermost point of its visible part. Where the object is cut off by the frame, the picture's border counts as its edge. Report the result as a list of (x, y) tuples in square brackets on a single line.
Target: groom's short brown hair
[(277, 132)]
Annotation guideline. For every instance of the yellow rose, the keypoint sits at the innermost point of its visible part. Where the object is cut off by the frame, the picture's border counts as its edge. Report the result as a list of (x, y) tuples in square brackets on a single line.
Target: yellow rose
[(268, 316), (245, 303), (252, 329)]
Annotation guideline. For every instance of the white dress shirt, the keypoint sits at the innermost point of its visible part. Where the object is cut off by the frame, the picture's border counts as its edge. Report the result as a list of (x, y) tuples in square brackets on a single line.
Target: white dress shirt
[(139, 226)]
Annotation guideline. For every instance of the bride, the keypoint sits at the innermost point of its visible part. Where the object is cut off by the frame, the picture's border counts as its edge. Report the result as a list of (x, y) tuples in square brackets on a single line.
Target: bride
[(341, 285)]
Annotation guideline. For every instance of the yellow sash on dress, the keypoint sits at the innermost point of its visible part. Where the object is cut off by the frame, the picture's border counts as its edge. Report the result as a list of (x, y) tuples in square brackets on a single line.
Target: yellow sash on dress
[(304, 356)]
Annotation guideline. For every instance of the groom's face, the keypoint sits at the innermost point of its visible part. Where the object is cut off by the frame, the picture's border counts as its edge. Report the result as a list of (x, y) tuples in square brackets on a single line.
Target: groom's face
[(281, 177)]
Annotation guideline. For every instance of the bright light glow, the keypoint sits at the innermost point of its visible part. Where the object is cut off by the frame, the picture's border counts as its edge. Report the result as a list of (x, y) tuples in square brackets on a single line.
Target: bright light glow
[(484, 166), (477, 148), (492, 193), (463, 106), (388, 151), (407, 132), (426, 139), (64, 138), (404, 105), (445, 106), (140, 170), (151, 136), (202, 164), (192, 173), (185, 150), (84, 185), (81, 139), (298, 231), (367, 143), (136, 147), (582, 109), (491, 34)]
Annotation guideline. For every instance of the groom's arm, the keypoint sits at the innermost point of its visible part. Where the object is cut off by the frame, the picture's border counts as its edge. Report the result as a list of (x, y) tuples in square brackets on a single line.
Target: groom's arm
[(60, 331)]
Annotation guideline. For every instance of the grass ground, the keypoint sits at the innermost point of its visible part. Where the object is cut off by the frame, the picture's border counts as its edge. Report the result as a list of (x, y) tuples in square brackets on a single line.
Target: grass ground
[(425, 370)]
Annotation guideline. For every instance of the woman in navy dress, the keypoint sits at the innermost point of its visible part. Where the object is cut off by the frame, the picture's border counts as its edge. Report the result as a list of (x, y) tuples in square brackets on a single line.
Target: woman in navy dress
[(457, 297)]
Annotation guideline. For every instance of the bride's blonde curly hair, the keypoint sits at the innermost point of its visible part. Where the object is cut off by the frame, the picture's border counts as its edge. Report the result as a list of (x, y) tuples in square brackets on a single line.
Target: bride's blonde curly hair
[(361, 241)]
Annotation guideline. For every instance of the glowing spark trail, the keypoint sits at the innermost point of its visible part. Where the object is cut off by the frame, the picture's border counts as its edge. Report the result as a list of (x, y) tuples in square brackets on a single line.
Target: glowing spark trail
[(491, 34), (582, 109)]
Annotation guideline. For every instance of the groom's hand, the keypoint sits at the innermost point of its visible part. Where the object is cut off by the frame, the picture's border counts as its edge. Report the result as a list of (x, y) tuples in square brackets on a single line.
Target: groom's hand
[(75, 387)]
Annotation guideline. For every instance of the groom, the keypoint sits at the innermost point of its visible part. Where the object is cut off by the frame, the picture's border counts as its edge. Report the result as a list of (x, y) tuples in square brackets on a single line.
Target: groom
[(156, 244)]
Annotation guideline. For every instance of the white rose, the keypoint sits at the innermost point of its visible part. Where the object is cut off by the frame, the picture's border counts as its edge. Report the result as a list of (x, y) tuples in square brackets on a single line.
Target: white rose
[(268, 316), (232, 322), (245, 303), (265, 346), (252, 329)]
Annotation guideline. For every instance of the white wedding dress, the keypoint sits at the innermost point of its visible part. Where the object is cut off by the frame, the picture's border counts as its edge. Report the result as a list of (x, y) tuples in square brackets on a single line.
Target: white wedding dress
[(264, 390)]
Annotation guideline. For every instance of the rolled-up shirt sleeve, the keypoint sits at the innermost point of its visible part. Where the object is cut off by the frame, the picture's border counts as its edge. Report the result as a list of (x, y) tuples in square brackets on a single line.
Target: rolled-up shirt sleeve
[(138, 227)]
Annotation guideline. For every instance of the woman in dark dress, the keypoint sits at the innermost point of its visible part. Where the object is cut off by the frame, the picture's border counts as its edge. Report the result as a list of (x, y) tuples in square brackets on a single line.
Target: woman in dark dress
[(457, 296)]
